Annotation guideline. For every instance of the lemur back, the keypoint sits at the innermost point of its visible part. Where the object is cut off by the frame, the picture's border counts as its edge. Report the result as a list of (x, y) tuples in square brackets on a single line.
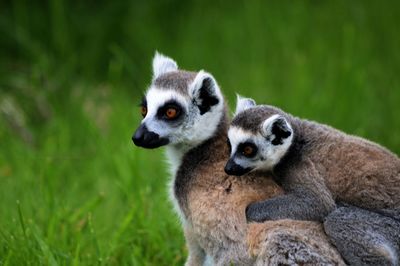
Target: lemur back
[(356, 171), (319, 166)]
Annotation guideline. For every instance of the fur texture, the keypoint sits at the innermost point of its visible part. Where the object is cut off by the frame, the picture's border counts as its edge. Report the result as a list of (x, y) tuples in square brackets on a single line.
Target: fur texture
[(162, 65), (215, 211), (211, 203), (323, 161), (363, 237), (317, 166)]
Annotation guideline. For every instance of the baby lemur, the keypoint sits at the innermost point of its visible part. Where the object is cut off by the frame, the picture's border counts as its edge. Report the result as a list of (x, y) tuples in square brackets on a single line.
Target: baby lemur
[(317, 166)]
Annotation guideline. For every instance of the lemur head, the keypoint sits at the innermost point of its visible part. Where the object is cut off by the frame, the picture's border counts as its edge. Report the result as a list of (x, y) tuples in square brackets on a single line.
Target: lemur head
[(179, 107), (259, 136)]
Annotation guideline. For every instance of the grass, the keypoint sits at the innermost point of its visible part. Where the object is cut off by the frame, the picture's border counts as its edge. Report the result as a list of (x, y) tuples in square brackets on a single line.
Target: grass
[(74, 190), (80, 196)]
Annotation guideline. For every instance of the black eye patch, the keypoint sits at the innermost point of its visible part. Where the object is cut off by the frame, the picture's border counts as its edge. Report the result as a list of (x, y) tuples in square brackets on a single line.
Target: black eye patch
[(143, 107), (247, 149), (143, 103), (172, 104), (229, 145)]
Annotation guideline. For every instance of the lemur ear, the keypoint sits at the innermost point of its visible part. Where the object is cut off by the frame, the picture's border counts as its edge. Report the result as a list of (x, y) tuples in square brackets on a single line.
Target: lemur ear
[(243, 103), (162, 65), (276, 129), (205, 92)]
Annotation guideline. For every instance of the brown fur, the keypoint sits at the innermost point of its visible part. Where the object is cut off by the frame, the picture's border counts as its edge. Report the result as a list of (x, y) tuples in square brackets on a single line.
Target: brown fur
[(337, 166), (356, 171), (216, 221), (273, 243), (213, 203), (364, 174)]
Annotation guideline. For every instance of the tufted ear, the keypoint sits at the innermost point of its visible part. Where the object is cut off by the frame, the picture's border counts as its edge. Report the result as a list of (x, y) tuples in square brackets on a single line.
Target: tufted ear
[(162, 65), (276, 129), (205, 92), (243, 103)]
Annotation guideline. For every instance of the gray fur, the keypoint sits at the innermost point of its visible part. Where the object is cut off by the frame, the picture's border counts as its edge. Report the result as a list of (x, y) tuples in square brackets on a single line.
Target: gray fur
[(258, 116), (307, 199), (350, 169), (324, 165), (364, 237), (211, 203), (177, 80)]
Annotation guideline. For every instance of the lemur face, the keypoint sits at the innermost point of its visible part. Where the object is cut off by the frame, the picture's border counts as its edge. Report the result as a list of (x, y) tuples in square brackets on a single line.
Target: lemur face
[(257, 140), (179, 108)]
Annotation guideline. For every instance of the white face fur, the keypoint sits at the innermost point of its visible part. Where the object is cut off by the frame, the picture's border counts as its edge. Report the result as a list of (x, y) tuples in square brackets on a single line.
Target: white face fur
[(261, 150), (191, 126)]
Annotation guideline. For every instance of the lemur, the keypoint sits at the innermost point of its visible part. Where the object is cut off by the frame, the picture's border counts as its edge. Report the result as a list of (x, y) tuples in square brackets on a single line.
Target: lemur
[(317, 166), (186, 112)]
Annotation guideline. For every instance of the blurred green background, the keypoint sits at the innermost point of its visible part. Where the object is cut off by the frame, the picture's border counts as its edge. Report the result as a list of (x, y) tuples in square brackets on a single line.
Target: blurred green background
[(73, 188)]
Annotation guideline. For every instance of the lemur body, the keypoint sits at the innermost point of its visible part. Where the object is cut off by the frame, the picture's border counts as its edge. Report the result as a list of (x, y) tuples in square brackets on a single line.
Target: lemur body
[(186, 112), (317, 166)]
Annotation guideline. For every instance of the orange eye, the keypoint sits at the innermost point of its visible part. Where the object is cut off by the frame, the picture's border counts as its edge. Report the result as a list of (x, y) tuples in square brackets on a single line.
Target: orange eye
[(143, 111), (171, 113), (248, 150)]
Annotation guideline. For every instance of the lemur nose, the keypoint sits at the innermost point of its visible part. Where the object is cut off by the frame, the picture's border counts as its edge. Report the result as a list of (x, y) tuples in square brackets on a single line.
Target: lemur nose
[(232, 168), (148, 139), (139, 135)]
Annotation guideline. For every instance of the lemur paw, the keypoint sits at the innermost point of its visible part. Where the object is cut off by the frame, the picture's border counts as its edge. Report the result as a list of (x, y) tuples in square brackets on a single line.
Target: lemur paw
[(254, 213)]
